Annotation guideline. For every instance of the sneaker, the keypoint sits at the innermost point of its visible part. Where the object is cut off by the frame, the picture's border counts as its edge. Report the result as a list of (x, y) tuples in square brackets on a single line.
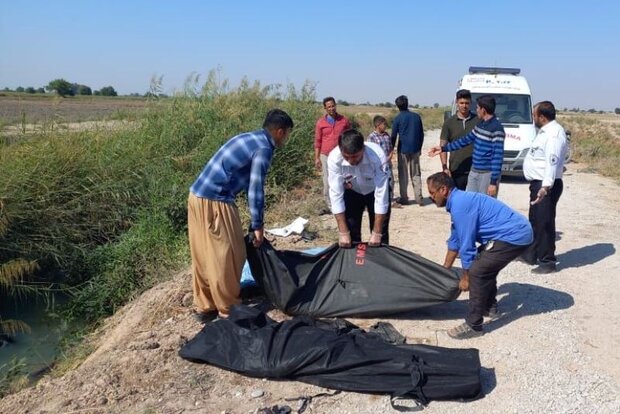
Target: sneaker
[(396, 205), (492, 313), (544, 269), (204, 317), (464, 331)]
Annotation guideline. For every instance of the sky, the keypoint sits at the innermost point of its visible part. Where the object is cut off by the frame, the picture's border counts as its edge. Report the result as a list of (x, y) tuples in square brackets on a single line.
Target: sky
[(357, 51)]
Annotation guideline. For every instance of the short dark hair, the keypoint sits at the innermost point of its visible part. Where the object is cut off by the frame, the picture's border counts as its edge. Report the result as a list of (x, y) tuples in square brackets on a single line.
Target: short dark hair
[(277, 118), (487, 102), (351, 141), (402, 102), (463, 94), (440, 179), (546, 109), (329, 98), (378, 119)]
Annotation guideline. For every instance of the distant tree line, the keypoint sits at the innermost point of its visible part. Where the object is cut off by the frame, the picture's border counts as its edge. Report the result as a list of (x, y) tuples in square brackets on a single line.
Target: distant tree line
[(65, 88)]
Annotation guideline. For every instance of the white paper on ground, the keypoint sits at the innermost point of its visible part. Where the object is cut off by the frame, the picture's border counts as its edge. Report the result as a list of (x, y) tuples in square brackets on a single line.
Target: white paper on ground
[(297, 226)]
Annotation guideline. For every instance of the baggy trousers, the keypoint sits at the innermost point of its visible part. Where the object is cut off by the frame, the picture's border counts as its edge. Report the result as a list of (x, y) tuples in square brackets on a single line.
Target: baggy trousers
[(542, 219), (354, 206), (218, 253), (493, 257), (409, 169)]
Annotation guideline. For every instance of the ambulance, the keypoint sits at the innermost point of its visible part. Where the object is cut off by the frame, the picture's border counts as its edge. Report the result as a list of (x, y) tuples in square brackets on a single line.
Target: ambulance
[(513, 108)]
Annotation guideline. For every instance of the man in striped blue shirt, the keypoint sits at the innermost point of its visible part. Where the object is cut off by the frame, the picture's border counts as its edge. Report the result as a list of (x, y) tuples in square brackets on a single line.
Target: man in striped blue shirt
[(488, 139), (502, 234), (214, 225)]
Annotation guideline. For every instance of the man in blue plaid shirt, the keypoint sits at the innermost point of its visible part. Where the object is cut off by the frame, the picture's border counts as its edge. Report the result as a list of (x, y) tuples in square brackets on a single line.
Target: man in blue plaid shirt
[(214, 225)]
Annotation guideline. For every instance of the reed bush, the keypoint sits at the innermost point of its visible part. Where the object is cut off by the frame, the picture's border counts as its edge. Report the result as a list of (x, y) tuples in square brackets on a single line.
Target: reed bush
[(107, 209)]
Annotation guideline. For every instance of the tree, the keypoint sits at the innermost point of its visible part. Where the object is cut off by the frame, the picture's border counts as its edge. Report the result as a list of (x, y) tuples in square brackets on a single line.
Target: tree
[(61, 87), (435, 105), (30, 89), (19, 89), (617, 111), (40, 90), (108, 91), (83, 90)]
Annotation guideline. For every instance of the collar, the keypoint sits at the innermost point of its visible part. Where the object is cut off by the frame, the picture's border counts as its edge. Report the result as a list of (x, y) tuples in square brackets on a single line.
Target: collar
[(450, 198), (470, 116), (269, 138), (548, 125), (335, 118)]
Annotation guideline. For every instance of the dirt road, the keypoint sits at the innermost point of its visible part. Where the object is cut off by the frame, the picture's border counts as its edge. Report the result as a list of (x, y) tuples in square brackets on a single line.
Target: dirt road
[(556, 347)]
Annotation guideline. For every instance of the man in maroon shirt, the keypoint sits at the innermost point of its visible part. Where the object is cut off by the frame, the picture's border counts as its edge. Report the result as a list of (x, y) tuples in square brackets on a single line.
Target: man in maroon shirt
[(327, 131)]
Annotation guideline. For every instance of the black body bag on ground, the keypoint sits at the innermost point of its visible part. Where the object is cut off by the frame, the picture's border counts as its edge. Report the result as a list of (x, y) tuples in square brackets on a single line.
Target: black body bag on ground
[(334, 354), (361, 281)]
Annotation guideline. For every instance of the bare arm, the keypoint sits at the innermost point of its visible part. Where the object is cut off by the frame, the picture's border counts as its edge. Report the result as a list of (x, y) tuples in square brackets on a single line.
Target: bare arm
[(344, 236), (443, 157), (450, 257)]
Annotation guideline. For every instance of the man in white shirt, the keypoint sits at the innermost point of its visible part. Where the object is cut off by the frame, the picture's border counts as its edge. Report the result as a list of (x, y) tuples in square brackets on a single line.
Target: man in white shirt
[(358, 175), (543, 168)]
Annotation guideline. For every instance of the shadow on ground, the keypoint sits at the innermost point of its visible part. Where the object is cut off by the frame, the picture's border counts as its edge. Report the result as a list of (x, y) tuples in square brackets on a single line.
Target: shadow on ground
[(586, 255), (522, 299), (515, 301)]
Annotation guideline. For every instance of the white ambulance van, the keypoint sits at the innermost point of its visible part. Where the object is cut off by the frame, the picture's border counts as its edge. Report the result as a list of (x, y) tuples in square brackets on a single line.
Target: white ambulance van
[(513, 108)]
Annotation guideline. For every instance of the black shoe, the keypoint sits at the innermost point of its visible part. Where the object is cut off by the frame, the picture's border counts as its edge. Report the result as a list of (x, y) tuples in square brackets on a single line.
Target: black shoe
[(544, 269), (324, 211), (204, 317)]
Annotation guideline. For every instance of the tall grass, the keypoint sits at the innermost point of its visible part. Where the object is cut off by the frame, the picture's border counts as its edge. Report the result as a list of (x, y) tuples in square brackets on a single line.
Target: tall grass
[(107, 209), (595, 142)]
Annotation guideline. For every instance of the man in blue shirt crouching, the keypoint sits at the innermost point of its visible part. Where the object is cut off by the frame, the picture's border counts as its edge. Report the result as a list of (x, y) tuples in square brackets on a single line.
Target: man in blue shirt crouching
[(503, 234)]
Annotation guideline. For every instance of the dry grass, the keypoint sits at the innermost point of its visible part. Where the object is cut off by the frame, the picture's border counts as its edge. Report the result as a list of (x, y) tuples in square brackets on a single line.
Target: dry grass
[(595, 141)]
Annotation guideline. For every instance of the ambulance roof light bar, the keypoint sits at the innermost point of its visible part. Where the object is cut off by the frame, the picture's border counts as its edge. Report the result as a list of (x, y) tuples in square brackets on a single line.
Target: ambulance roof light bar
[(494, 71)]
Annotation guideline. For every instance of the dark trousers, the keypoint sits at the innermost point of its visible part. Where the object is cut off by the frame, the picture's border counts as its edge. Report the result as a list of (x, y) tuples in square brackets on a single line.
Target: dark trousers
[(493, 257), (542, 219), (460, 179), (354, 206)]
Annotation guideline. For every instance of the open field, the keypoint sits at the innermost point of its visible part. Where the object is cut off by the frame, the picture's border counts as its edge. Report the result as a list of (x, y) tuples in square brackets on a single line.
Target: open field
[(37, 109)]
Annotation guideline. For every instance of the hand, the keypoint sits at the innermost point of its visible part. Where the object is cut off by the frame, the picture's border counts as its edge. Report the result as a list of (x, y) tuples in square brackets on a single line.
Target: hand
[(344, 239), (436, 150), (258, 238), (464, 282), (541, 194), (448, 172), (375, 239), (492, 190), (317, 163)]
